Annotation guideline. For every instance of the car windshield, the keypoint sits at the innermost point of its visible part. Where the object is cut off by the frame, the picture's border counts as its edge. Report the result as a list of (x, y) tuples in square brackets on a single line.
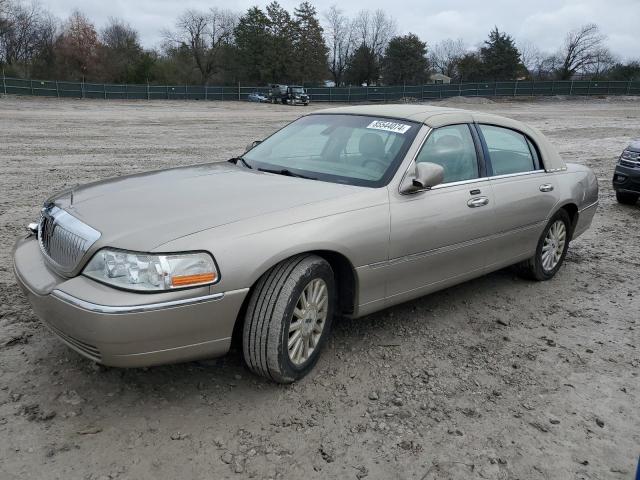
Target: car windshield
[(351, 149), (297, 90)]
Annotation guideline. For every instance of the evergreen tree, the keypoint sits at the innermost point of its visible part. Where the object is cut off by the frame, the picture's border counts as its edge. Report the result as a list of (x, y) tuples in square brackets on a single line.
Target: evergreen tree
[(405, 60), (309, 45), (363, 67), (500, 57), (470, 68), (280, 57), (253, 37)]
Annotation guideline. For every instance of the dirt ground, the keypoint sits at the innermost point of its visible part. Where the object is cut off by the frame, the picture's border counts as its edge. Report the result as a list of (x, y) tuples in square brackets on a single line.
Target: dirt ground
[(495, 378)]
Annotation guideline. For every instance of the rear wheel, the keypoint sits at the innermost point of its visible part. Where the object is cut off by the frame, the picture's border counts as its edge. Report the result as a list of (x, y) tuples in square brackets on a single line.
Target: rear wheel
[(288, 318), (551, 250), (627, 198)]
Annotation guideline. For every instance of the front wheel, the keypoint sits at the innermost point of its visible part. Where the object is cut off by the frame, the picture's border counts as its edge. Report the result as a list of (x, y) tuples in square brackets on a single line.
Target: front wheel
[(627, 198), (551, 250), (288, 318)]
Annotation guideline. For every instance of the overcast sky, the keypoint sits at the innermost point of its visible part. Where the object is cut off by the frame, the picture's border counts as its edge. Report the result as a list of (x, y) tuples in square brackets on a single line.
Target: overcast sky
[(543, 22)]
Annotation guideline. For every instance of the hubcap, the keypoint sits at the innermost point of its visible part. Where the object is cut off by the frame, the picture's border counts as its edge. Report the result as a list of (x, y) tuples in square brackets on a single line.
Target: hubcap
[(308, 321), (554, 245)]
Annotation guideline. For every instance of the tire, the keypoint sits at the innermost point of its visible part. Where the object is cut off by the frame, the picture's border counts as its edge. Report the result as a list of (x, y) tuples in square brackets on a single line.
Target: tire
[(270, 313), (536, 268), (627, 198)]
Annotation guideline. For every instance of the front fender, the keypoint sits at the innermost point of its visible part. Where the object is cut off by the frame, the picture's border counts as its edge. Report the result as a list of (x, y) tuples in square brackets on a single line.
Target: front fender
[(246, 250)]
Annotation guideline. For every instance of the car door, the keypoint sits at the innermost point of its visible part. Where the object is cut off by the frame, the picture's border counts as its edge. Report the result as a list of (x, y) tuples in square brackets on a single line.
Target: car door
[(524, 193), (440, 236)]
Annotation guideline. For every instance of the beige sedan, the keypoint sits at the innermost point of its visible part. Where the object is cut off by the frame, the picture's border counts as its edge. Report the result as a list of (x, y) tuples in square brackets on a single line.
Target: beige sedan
[(341, 213)]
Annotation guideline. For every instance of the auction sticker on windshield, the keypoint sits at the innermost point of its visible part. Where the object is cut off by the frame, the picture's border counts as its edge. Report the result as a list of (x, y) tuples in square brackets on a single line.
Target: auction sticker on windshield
[(389, 126)]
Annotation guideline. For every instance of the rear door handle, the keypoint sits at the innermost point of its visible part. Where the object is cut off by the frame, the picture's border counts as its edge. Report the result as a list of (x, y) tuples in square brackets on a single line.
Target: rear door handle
[(546, 187), (478, 202)]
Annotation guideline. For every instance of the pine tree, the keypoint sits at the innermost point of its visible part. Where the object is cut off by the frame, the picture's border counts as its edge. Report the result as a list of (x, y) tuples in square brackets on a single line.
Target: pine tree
[(405, 60), (363, 67), (252, 38), (280, 58), (500, 57), (310, 49)]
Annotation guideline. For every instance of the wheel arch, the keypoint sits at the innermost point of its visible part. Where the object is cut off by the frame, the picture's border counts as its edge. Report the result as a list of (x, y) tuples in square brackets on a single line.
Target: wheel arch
[(572, 210), (344, 274)]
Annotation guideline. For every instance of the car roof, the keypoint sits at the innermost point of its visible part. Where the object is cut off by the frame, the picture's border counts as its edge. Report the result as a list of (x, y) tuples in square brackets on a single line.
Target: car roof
[(435, 117), (416, 113)]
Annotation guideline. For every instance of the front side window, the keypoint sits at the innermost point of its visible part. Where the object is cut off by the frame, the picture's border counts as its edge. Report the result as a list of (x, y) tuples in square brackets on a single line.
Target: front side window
[(453, 148), (509, 150), (351, 149)]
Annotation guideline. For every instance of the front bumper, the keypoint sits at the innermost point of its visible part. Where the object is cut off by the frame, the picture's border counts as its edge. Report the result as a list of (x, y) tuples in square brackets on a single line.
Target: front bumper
[(126, 329), (626, 179)]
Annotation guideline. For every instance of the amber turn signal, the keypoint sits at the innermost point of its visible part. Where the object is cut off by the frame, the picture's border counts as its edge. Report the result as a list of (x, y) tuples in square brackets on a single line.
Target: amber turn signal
[(186, 280)]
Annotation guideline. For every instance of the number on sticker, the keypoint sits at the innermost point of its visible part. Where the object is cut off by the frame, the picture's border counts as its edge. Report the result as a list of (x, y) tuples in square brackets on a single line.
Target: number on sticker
[(389, 126)]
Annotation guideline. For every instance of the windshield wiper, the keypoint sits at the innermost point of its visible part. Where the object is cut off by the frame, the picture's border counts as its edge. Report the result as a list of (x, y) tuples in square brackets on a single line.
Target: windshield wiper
[(286, 172), (235, 161)]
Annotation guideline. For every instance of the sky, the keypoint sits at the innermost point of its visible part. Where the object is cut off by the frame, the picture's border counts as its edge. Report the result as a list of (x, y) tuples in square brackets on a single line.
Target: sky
[(541, 22)]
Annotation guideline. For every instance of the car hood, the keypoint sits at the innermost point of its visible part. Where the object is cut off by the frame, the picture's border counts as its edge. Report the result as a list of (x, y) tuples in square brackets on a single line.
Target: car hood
[(146, 210), (634, 145)]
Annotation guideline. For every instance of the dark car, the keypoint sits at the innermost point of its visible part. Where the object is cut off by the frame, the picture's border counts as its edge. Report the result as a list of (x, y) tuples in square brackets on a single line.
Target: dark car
[(626, 177)]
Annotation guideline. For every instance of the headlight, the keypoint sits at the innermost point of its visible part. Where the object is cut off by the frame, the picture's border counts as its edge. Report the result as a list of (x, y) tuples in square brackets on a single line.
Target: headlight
[(630, 155), (151, 273)]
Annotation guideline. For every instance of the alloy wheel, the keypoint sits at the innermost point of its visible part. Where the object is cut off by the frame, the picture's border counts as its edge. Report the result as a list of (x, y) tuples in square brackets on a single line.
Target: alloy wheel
[(553, 246), (308, 321)]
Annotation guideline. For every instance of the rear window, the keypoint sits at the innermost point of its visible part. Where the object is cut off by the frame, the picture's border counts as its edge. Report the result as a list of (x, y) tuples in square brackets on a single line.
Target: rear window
[(509, 150)]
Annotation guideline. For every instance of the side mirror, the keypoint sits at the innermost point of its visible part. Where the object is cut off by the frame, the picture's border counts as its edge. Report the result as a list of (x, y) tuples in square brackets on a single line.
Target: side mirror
[(252, 145), (426, 175)]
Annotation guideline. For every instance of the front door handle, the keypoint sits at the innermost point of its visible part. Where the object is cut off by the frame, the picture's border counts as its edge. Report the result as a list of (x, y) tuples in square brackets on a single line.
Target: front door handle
[(546, 187), (478, 202)]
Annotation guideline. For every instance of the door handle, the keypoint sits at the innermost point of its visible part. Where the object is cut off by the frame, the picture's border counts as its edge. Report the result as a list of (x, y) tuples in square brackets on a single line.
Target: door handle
[(546, 187), (478, 202)]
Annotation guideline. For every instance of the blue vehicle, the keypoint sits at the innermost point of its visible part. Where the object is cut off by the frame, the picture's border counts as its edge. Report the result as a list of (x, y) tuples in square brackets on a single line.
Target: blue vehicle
[(257, 97)]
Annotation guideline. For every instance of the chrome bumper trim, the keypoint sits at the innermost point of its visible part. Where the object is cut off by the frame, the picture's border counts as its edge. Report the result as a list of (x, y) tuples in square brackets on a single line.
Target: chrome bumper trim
[(107, 309)]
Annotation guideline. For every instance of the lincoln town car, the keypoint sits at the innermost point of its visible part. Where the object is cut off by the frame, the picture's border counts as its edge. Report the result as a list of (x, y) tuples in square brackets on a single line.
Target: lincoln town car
[(343, 212)]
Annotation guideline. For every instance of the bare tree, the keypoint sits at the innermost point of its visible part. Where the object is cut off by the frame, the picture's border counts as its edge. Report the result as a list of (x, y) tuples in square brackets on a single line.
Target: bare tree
[(339, 37), (120, 51), (445, 55), (118, 35), (203, 34), (603, 62), (374, 30), (530, 56), (580, 51), (77, 47), (19, 32)]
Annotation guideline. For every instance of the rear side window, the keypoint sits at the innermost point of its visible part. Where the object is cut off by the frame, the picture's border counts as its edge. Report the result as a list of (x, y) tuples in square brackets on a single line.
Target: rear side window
[(453, 148), (509, 150)]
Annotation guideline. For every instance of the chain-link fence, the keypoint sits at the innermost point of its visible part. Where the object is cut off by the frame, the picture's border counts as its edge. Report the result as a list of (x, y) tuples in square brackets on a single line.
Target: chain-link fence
[(60, 89)]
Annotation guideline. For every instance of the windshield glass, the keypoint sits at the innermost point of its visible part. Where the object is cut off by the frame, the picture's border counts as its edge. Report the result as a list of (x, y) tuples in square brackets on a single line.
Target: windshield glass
[(297, 89), (352, 149)]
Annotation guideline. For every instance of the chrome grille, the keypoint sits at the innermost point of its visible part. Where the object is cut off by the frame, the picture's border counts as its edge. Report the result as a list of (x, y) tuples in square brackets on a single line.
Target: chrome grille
[(64, 239), (630, 163)]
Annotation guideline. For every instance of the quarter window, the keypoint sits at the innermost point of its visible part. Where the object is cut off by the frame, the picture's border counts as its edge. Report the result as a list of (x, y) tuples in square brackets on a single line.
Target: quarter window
[(453, 148), (509, 150)]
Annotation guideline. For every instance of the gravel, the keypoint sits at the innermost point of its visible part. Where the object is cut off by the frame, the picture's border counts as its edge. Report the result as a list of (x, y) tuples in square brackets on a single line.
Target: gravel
[(425, 390)]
